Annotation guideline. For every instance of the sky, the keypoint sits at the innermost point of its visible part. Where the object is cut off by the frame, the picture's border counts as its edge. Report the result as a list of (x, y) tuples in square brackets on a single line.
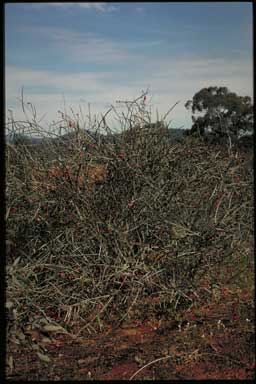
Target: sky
[(66, 56)]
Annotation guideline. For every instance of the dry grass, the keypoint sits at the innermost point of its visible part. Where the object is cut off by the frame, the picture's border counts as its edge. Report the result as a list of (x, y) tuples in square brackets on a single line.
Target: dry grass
[(96, 231)]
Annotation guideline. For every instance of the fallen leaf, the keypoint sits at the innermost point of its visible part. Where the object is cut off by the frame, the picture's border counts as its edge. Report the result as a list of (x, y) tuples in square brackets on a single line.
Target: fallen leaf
[(34, 334), (129, 332), (21, 336), (8, 304), (87, 360), (16, 261), (35, 346), (52, 328), (47, 340), (10, 362), (44, 358), (139, 360)]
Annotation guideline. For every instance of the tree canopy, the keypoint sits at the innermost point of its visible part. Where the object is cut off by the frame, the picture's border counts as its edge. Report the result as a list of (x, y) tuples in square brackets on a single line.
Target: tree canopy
[(222, 112)]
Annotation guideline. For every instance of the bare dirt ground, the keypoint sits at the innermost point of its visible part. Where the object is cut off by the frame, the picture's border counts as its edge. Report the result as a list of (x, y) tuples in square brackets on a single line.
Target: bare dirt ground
[(213, 340)]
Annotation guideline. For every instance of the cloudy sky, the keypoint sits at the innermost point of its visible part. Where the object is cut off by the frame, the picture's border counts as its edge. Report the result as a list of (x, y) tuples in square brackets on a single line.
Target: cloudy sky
[(98, 53)]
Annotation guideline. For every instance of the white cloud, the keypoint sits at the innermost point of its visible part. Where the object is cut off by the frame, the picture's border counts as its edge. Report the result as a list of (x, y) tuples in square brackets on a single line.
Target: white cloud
[(112, 8), (88, 48), (102, 7), (170, 78), (98, 6), (98, 50), (73, 82), (45, 89)]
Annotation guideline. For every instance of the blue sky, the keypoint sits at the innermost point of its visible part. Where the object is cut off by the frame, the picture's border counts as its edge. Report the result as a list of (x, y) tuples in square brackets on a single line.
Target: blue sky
[(98, 53)]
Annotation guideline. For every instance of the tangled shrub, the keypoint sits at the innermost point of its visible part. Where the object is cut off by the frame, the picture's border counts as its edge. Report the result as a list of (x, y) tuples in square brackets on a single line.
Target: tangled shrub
[(117, 221)]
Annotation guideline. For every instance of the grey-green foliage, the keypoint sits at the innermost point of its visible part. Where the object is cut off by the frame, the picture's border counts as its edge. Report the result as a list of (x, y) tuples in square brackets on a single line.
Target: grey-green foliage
[(223, 112)]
